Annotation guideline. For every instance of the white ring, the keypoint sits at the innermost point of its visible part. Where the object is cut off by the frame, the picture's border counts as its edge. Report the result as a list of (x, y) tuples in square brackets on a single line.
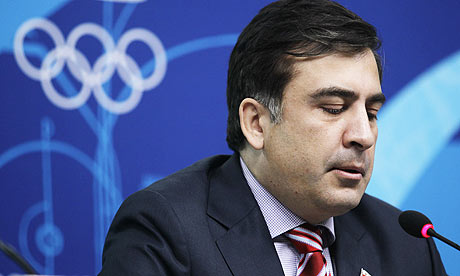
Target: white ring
[(91, 77), (49, 28), (88, 29), (158, 51), (46, 81), (127, 105)]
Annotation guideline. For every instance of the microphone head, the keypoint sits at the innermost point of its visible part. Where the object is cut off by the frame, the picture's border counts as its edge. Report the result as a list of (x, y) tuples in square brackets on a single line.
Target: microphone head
[(415, 223)]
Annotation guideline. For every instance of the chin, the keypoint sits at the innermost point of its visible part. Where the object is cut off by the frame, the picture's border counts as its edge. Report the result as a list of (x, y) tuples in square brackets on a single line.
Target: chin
[(345, 207), (344, 203)]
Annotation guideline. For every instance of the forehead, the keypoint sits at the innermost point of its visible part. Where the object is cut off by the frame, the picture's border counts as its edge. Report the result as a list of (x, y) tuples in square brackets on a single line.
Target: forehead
[(358, 73)]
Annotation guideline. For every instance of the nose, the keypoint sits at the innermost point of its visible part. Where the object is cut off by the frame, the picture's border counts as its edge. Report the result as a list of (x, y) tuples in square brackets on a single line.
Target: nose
[(360, 132)]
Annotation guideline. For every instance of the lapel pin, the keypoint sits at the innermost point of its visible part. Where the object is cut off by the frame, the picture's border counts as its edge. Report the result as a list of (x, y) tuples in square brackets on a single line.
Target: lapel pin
[(364, 272)]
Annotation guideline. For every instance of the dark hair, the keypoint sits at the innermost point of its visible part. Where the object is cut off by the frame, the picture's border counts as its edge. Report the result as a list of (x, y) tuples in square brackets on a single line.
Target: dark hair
[(261, 63)]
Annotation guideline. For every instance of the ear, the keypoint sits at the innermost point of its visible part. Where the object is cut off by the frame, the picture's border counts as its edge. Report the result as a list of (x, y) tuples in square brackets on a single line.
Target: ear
[(254, 118)]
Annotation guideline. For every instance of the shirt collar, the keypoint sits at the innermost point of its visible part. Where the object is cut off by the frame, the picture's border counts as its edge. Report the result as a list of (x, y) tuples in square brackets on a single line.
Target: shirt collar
[(279, 219)]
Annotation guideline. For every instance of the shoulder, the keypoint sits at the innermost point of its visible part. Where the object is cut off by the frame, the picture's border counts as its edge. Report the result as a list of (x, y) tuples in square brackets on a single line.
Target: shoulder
[(375, 224), (371, 213), (156, 229), (178, 190), (188, 181), (374, 216), (372, 207)]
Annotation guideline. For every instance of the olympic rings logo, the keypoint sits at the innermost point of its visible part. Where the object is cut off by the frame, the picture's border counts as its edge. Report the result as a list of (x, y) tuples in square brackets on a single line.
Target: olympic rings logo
[(91, 77)]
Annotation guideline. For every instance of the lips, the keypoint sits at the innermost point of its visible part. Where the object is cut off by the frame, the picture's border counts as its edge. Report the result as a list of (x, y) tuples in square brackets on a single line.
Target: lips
[(349, 172), (352, 169)]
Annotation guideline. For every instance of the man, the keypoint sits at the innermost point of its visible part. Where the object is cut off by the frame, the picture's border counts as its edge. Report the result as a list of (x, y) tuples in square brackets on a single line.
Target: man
[(303, 96)]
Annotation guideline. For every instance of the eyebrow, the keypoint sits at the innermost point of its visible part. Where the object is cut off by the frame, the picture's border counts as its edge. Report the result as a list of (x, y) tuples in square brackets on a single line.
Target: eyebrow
[(377, 98), (346, 94), (333, 92)]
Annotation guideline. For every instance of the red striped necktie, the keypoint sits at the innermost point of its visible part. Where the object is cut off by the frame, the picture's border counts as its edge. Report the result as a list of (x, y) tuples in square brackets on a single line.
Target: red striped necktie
[(308, 242)]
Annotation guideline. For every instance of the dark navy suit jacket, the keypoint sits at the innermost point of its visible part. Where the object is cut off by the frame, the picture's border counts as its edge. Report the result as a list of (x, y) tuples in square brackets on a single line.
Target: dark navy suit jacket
[(204, 220)]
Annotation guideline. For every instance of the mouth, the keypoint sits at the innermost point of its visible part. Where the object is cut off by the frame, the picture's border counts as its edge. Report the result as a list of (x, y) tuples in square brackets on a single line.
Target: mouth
[(350, 172)]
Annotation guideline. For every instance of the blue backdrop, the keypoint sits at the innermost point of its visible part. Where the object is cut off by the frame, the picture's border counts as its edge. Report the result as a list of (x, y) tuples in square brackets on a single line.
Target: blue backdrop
[(79, 135)]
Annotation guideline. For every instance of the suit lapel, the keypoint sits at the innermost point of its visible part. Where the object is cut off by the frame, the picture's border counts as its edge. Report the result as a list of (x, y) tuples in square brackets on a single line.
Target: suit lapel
[(350, 249), (346, 249), (248, 250), (244, 241)]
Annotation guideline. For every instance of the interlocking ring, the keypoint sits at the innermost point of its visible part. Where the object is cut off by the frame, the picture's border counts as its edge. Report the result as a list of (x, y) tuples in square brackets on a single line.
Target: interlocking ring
[(49, 28), (92, 78)]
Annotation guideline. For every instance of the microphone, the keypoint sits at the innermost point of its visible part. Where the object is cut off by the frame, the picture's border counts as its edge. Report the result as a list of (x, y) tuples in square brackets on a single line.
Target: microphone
[(418, 225)]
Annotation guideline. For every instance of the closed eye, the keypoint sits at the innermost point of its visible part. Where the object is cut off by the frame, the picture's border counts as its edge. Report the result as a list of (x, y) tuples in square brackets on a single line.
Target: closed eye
[(372, 117), (372, 114), (333, 111)]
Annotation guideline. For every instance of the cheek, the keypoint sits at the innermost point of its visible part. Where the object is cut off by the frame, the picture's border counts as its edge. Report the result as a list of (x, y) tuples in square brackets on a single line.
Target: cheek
[(325, 141), (309, 153), (370, 159), (301, 147)]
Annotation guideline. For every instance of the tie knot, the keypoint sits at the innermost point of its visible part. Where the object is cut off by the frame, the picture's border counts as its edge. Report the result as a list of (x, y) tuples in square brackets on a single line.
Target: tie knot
[(306, 238)]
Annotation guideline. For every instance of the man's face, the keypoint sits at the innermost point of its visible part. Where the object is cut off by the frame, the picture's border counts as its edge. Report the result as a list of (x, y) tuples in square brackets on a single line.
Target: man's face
[(318, 160)]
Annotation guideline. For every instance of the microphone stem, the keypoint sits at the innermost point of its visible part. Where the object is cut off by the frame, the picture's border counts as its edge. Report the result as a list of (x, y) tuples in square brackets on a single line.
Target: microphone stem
[(10, 252), (433, 233)]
